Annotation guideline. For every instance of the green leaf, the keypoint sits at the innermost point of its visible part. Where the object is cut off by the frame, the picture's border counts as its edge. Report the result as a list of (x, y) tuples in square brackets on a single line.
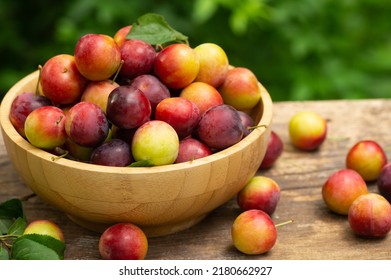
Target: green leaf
[(10, 210), (18, 227), (154, 29), (4, 255), (4, 225), (141, 163), (37, 247)]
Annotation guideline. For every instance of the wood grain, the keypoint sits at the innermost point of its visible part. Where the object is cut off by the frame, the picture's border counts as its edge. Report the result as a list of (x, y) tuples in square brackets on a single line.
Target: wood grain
[(315, 234)]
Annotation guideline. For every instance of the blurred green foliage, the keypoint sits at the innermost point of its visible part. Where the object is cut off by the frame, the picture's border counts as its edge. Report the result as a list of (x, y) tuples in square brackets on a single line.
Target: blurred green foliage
[(300, 50)]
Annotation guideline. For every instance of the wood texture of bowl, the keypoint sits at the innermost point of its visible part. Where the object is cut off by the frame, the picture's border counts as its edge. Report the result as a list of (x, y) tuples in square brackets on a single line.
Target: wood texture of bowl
[(161, 199)]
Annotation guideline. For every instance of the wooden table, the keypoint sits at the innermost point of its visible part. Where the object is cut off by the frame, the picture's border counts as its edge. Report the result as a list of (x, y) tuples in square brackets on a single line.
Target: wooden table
[(315, 234)]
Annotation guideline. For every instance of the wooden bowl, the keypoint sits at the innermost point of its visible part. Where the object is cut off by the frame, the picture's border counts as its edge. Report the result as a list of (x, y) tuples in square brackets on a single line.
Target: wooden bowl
[(161, 200)]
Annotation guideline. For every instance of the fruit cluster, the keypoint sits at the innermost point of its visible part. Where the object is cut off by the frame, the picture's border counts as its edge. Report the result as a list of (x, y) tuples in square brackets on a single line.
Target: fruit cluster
[(120, 101), (346, 192), (253, 231)]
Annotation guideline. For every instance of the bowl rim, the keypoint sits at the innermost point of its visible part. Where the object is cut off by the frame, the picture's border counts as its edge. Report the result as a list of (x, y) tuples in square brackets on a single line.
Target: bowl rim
[(7, 128)]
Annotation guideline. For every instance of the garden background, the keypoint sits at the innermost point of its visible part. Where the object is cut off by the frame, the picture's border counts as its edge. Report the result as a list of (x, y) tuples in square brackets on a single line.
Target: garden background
[(299, 49)]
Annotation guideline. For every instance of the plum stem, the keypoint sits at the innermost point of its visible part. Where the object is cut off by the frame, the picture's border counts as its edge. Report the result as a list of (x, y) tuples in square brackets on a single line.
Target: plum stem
[(58, 121), (284, 223), (117, 72), (65, 154), (159, 47), (4, 239), (27, 197), (6, 236), (39, 79)]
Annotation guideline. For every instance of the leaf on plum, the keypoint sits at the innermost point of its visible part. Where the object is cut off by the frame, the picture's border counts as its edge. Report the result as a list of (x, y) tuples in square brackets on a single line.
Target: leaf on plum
[(154, 29), (141, 163), (37, 247)]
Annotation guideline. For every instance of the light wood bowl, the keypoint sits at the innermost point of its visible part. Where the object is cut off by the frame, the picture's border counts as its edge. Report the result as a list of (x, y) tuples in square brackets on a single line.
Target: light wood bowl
[(161, 200)]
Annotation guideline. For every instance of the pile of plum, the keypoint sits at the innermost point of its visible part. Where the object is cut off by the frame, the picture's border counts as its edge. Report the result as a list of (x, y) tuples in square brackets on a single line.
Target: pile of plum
[(120, 101)]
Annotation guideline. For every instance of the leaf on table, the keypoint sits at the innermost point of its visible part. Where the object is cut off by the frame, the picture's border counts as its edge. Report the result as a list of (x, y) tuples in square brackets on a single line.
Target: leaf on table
[(154, 29), (5, 224), (4, 255), (37, 247), (18, 227), (10, 210)]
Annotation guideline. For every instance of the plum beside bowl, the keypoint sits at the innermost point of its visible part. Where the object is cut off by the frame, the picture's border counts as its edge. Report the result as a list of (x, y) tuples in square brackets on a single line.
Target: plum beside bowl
[(161, 199)]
